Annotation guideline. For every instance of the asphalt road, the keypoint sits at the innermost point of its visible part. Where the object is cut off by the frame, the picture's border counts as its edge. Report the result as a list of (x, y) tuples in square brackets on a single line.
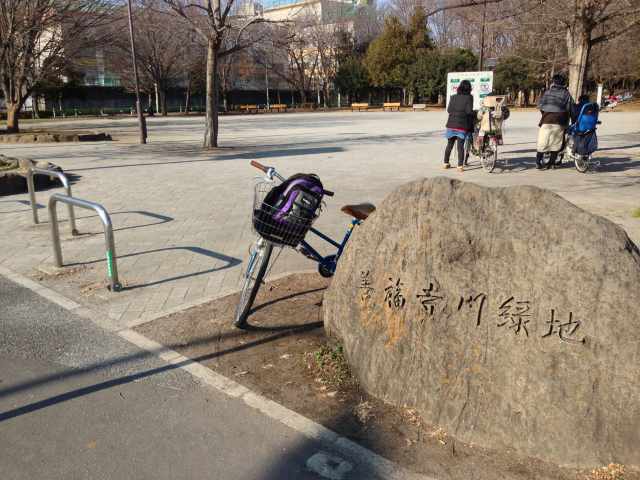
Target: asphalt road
[(78, 402)]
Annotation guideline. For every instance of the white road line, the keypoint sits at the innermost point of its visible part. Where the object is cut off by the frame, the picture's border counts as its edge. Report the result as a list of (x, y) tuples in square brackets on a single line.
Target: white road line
[(329, 464)]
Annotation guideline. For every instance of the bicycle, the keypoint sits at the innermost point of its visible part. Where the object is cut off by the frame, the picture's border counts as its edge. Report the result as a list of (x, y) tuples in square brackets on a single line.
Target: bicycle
[(582, 162), (294, 237), (487, 151)]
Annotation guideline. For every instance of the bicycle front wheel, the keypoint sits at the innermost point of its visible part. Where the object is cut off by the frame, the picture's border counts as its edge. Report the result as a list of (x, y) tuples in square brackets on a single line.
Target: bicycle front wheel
[(253, 276), (582, 162)]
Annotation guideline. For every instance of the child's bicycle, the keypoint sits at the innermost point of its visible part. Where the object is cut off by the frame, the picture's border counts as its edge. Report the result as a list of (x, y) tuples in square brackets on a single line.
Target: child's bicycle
[(271, 233)]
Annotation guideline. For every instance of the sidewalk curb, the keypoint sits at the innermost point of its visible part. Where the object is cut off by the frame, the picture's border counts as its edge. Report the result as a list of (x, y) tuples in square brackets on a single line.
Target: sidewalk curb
[(382, 467)]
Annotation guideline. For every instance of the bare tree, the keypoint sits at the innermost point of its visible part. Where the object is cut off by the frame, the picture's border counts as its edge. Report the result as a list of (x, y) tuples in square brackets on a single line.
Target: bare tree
[(588, 23), (162, 50), (225, 32), (36, 39), (290, 55)]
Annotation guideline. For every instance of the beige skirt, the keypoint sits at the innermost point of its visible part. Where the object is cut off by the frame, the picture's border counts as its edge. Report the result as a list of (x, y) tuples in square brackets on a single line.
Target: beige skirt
[(550, 138)]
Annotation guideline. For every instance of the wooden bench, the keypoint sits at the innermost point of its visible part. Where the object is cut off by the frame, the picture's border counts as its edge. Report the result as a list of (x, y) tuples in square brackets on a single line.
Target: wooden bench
[(279, 107), (249, 108), (419, 106), (391, 106), (359, 106)]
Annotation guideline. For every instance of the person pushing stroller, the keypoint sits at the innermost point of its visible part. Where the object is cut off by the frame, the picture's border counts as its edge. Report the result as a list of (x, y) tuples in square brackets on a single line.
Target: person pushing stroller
[(556, 106)]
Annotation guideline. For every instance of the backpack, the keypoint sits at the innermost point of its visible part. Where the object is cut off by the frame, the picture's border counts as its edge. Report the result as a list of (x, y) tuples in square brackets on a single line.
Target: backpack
[(289, 209)]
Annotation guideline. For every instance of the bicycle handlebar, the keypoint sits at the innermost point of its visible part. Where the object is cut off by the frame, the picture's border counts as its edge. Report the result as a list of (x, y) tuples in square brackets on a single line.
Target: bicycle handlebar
[(271, 172), (259, 166)]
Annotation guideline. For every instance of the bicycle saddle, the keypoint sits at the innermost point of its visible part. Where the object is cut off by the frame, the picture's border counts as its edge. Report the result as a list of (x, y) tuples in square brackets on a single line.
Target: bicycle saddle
[(360, 211)]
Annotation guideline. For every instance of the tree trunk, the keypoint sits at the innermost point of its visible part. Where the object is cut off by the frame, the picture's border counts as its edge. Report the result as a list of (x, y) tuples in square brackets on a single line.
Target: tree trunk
[(211, 121), (163, 102), (13, 110), (578, 49), (35, 107)]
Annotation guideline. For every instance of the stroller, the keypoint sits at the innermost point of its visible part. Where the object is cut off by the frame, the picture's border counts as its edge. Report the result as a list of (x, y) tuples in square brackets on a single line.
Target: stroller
[(582, 140)]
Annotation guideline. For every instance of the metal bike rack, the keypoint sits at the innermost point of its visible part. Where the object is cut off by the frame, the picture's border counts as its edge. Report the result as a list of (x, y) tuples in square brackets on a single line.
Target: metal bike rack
[(112, 267), (32, 193)]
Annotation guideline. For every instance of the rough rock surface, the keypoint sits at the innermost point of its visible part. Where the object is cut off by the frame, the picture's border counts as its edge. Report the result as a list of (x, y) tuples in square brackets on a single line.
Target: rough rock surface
[(13, 175), (507, 316)]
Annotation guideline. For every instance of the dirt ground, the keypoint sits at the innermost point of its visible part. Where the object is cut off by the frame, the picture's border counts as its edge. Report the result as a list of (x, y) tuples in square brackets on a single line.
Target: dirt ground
[(288, 358)]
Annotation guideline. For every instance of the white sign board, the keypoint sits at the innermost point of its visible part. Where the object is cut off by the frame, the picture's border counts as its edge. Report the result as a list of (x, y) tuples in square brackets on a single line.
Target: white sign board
[(481, 85)]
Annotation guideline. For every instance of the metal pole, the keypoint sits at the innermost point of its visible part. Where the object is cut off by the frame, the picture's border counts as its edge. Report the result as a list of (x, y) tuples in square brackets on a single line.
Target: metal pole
[(266, 78), (141, 119), (55, 233), (112, 267), (484, 20), (32, 194)]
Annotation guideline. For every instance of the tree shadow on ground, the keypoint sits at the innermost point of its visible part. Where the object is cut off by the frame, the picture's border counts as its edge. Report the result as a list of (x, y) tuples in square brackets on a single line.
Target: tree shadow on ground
[(272, 334), (207, 157)]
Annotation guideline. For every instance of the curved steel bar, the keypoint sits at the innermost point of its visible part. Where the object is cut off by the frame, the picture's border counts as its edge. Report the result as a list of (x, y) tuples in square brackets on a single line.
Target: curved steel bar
[(32, 193), (112, 266)]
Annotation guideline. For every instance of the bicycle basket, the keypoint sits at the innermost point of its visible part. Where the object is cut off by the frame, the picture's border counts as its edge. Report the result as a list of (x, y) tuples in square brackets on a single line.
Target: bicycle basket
[(270, 222)]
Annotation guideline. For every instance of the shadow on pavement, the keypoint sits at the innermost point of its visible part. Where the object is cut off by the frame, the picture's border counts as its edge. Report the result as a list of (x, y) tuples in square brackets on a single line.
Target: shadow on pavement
[(21, 202), (271, 153), (162, 218), (80, 392), (230, 262), (616, 164)]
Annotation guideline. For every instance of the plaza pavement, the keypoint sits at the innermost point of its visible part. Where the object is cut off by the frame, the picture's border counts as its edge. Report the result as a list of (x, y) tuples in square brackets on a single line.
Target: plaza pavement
[(182, 215)]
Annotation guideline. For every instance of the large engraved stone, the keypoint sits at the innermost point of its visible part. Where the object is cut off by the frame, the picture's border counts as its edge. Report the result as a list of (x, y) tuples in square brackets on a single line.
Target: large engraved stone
[(507, 316)]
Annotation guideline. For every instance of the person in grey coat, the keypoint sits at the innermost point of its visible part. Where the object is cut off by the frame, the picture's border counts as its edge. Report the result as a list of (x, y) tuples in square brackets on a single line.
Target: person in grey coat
[(556, 106)]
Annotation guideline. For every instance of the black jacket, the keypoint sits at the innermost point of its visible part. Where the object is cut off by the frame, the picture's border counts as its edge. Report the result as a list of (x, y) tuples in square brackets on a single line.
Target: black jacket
[(461, 112)]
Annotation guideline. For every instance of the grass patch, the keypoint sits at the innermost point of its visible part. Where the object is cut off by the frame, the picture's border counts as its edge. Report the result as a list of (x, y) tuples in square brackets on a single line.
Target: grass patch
[(330, 366), (635, 213)]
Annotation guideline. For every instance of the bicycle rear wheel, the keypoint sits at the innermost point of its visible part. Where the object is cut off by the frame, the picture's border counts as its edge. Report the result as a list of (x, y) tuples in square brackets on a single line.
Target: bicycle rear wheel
[(582, 162), (489, 158), (256, 270)]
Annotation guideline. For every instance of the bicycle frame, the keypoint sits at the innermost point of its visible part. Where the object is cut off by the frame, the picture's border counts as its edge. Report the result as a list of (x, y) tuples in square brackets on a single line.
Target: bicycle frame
[(317, 257)]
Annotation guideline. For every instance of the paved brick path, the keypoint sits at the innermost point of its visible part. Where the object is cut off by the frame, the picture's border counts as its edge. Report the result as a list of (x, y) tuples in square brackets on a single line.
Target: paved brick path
[(181, 215)]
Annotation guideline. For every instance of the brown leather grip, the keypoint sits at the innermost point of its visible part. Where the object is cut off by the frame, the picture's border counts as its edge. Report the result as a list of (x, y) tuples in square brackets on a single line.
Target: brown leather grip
[(258, 165)]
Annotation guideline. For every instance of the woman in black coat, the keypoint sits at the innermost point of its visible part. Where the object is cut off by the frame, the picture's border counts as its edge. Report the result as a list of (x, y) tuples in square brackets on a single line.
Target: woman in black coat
[(460, 122)]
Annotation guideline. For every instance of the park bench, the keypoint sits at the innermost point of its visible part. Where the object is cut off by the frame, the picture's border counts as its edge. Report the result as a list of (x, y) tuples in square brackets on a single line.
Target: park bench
[(279, 107), (391, 106), (419, 106), (249, 108), (359, 106)]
